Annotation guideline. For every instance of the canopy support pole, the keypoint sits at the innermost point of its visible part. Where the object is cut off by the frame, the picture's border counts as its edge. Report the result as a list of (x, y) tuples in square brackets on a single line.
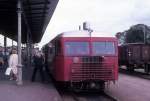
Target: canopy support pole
[(19, 12), (5, 44)]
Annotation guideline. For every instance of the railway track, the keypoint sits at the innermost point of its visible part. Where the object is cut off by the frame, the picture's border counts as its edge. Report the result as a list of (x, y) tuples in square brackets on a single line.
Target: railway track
[(72, 96), (135, 73), (111, 98)]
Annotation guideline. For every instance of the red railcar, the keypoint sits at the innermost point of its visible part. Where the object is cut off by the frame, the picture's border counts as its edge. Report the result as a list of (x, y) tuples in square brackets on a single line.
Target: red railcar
[(83, 60), (135, 56)]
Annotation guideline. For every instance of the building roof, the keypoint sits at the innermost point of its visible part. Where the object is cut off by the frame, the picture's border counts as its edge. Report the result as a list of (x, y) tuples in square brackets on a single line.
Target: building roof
[(36, 14)]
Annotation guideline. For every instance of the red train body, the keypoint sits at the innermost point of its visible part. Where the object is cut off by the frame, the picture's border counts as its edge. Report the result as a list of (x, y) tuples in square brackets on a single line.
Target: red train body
[(83, 61)]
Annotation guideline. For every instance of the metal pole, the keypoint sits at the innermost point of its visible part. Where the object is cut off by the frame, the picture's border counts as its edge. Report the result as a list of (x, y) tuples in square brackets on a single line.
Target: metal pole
[(19, 12), (28, 50), (12, 42), (144, 35), (5, 44)]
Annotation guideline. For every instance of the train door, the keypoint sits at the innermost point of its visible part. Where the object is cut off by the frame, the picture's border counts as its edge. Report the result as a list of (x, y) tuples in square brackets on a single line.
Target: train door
[(135, 53), (146, 58), (133, 57), (51, 54), (145, 53), (122, 55)]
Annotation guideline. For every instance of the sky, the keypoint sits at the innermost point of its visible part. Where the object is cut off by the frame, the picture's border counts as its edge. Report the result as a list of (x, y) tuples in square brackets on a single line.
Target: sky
[(9, 41), (105, 16)]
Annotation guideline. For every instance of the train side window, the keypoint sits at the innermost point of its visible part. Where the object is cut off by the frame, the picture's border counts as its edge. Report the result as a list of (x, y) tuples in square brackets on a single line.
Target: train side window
[(51, 54)]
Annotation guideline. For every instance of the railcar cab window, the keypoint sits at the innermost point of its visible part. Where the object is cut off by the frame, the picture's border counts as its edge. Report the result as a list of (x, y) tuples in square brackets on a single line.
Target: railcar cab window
[(104, 48), (77, 48)]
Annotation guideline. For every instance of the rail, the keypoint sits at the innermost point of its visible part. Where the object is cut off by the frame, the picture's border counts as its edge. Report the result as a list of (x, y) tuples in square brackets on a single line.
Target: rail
[(100, 96)]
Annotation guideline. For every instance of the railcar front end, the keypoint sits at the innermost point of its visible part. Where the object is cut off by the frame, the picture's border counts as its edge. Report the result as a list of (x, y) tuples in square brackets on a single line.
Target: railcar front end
[(88, 64)]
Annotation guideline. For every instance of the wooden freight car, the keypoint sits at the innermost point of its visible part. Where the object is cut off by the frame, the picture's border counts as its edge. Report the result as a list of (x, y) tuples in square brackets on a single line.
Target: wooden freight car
[(135, 56)]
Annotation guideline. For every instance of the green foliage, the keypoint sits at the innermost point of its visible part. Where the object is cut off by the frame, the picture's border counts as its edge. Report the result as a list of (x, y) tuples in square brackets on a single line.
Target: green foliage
[(134, 36), (139, 33)]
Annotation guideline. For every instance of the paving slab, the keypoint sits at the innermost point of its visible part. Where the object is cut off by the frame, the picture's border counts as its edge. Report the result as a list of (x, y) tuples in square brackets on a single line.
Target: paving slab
[(29, 91), (130, 88)]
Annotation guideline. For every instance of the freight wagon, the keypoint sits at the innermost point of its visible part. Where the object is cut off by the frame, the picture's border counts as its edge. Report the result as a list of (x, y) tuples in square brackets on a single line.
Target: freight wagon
[(135, 56)]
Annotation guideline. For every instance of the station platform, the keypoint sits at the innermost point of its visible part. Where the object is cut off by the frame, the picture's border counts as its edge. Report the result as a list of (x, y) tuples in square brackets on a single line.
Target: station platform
[(29, 91), (130, 88)]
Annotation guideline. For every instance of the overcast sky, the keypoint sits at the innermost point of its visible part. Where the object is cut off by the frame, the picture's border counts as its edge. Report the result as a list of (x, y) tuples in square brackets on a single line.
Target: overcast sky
[(107, 16)]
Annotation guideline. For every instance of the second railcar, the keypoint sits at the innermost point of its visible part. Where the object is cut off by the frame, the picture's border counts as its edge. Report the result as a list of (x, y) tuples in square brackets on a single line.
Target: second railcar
[(135, 56)]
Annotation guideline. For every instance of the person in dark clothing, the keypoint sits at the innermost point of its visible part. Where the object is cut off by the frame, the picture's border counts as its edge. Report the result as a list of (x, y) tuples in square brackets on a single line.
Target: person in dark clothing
[(38, 66), (47, 71), (1, 59)]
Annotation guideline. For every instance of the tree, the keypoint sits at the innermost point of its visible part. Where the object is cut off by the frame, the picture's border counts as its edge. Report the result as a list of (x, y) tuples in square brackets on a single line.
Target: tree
[(121, 37), (139, 33)]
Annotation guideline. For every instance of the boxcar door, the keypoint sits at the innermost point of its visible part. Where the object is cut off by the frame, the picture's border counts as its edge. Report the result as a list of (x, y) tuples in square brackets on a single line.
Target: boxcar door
[(135, 53), (145, 53)]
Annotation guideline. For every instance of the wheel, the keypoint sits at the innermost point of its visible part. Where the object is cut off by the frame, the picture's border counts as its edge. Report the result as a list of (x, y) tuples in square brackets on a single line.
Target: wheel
[(146, 68), (130, 68)]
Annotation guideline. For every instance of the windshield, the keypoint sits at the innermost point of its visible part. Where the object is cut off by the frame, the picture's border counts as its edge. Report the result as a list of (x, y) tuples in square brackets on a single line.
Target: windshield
[(76, 48), (103, 48)]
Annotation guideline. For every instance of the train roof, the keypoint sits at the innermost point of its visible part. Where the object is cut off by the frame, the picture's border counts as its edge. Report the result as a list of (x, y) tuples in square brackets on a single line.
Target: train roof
[(83, 33), (80, 33), (139, 43)]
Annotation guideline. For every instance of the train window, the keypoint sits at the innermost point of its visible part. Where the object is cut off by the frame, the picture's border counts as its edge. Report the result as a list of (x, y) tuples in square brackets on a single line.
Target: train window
[(107, 48), (77, 48)]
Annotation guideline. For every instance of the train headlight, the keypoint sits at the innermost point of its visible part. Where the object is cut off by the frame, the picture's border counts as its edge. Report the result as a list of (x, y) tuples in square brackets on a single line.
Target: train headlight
[(76, 60)]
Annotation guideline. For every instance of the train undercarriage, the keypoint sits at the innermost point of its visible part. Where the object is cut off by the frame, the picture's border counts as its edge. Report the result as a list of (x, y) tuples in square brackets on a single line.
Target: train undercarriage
[(88, 85), (132, 66)]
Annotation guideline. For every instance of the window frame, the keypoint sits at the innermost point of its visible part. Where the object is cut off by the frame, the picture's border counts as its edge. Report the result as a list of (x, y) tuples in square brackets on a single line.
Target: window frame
[(77, 54), (112, 53)]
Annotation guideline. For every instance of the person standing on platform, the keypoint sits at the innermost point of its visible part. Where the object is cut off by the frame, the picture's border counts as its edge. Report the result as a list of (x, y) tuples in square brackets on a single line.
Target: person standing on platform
[(1, 58), (38, 66), (12, 63)]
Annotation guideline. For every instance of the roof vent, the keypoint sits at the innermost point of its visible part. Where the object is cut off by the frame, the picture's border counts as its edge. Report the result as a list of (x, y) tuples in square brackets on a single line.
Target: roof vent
[(86, 26)]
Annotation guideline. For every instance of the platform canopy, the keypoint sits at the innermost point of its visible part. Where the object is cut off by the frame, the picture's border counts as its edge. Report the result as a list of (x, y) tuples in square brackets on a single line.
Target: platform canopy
[(35, 18)]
